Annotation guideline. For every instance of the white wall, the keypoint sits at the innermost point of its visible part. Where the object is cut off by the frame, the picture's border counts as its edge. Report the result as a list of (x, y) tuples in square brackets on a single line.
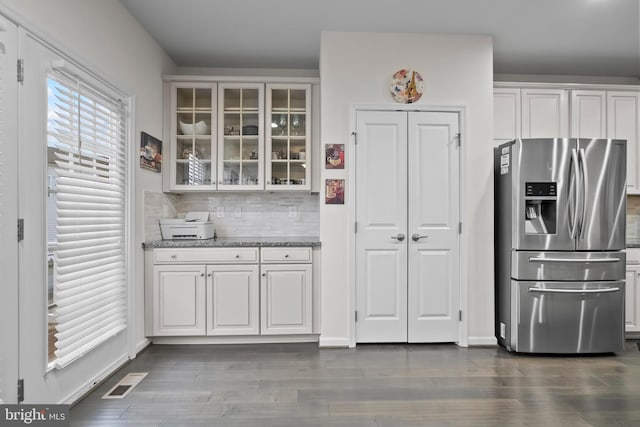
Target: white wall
[(457, 71), (102, 35)]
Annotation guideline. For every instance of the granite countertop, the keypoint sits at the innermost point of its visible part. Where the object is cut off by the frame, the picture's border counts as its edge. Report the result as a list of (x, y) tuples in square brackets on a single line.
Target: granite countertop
[(234, 242)]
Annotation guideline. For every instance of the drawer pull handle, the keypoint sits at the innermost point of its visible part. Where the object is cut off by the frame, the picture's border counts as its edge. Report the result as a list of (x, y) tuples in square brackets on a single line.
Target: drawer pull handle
[(286, 256), (173, 256), (592, 260), (574, 291)]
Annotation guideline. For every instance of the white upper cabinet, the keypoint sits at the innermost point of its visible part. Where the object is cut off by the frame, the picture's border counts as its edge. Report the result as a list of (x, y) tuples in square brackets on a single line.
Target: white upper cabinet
[(191, 137), (506, 114), (623, 122), (288, 131), (570, 111), (545, 113), (241, 136), (588, 114)]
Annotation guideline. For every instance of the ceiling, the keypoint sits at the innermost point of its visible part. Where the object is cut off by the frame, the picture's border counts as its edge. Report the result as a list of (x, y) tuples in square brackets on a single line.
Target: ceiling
[(577, 37)]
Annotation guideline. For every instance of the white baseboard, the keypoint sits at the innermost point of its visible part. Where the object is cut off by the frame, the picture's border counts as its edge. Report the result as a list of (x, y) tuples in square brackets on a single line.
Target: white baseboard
[(238, 339), (482, 341), (146, 342), (326, 342)]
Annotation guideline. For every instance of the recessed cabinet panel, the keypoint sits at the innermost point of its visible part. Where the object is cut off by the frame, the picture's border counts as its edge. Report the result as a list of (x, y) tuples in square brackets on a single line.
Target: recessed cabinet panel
[(233, 300), (286, 299), (506, 114), (588, 114), (623, 122), (178, 300), (545, 113)]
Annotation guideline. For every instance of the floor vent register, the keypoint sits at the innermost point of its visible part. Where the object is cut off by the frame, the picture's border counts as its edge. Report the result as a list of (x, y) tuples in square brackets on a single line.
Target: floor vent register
[(125, 385)]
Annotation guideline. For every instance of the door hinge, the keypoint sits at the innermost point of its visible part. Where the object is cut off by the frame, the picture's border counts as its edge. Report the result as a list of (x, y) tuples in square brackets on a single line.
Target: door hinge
[(355, 137), (459, 228), (20, 229), (355, 227), (20, 69), (459, 136), (20, 390), (460, 315), (356, 315)]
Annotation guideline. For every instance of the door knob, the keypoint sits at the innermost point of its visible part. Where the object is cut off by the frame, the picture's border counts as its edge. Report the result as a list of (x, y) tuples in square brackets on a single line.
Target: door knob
[(399, 237), (415, 237)]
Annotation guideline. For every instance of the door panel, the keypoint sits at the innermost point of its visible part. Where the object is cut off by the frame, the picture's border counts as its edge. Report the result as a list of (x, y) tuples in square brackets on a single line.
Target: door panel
[(233, 296), (8, 211), (545, 113), (544, 160), (588, 114), (433, 280), (623, 122), (381, 214), (285, 299), (407, 182), (178, 300), (604, 169)]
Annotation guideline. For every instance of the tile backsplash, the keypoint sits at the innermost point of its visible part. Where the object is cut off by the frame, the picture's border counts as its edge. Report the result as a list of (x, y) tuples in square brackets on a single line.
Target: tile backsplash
[(239, 214)]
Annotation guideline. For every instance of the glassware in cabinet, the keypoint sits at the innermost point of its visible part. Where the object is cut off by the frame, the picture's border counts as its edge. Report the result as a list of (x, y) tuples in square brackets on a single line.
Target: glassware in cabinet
[(192, 148), (288, 137), (241, 147)]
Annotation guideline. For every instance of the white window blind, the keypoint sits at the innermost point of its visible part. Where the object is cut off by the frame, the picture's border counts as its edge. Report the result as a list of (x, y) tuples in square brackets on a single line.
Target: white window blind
[(87, 132)]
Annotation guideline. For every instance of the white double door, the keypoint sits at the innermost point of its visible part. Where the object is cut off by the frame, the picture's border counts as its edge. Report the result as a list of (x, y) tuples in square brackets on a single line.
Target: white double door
[(407, 239)]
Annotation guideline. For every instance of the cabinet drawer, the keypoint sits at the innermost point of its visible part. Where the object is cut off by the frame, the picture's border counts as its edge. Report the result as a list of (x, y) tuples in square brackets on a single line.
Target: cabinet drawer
[(286, 255), (206, 255), (633, 256)]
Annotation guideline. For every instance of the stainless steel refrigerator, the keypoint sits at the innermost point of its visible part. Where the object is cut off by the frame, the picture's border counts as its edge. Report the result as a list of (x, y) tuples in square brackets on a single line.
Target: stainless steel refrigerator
[(560, 208)]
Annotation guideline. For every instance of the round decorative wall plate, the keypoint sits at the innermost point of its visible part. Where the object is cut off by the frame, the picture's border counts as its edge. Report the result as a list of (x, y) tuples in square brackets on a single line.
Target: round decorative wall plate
[(406, 86)]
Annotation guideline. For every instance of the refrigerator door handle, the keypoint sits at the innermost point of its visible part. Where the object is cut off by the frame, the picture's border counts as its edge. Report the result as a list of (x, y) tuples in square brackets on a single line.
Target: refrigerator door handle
[(574, 182), (541, 259), (582, 162), (574, 291)]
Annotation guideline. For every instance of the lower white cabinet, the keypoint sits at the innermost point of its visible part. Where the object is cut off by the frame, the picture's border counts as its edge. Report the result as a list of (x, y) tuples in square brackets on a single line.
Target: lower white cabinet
[(286, 299), (233, 300), (632, 293), (178, 300), (231, 292)]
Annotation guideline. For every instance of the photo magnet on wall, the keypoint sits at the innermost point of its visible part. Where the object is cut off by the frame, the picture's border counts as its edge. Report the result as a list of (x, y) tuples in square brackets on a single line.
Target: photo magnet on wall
[(334, 156), (150, 153), (334, 192)]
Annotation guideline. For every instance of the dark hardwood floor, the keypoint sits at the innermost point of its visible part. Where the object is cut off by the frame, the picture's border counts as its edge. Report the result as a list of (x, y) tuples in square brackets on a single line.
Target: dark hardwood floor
[(370, 385)]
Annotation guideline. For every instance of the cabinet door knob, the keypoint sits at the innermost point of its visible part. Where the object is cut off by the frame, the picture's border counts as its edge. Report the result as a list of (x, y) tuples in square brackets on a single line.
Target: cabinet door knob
[(201, 274), (237, 256), (286, 255), (264, 274), (173, 256)]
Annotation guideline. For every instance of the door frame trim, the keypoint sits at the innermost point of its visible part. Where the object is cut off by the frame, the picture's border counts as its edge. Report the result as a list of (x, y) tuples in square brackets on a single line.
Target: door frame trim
[(463, 339)]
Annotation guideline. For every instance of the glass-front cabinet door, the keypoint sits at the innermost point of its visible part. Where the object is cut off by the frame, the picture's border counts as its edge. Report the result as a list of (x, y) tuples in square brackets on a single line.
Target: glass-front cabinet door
[(193, 126), (240, 136), (288, 134)]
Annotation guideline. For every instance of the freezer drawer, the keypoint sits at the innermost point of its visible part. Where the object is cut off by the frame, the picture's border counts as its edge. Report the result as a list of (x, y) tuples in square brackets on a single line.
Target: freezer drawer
[(580, 317), (572, 266)]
